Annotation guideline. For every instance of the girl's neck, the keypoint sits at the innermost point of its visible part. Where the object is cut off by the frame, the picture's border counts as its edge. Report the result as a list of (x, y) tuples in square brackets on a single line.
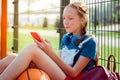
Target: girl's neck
[(78, 34)]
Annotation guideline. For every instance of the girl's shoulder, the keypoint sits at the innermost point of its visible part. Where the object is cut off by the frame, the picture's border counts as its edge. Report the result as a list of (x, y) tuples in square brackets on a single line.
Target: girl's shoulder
[(93, 38)]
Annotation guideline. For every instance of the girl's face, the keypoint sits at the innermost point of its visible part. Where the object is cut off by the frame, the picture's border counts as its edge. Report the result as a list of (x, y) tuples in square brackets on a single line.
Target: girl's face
[(71, 20)]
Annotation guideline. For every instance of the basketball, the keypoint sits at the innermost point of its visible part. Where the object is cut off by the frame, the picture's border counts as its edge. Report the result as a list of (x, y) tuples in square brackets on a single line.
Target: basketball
[(33, 74)]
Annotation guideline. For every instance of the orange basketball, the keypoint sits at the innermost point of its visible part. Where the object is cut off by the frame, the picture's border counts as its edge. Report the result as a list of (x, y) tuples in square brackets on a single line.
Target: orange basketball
[(33, 74)]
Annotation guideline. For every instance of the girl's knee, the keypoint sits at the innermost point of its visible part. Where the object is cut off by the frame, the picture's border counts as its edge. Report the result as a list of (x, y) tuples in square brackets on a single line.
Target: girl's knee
[(33, 48), (30, 50), (6, 61), (30, 47), (9, 58), (12, 56)]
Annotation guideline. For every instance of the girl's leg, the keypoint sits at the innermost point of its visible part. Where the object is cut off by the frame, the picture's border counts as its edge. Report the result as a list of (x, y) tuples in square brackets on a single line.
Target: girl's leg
[(6, 61), (43, 62)]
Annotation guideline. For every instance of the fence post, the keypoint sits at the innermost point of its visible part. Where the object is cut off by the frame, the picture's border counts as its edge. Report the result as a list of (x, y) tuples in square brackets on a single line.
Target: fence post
[(61, 29), (15, 27)]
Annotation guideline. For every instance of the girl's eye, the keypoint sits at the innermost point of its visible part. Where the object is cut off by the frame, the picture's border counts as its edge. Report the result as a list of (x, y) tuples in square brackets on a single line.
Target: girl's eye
[(70, 18)]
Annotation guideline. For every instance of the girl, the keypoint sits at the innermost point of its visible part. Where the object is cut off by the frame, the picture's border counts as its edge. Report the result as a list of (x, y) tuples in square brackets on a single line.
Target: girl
[(68, 65)]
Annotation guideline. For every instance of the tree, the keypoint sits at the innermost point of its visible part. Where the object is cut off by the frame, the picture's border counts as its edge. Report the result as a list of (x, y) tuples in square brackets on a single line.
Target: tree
[(115, 11), (57, 23), (45, 23)]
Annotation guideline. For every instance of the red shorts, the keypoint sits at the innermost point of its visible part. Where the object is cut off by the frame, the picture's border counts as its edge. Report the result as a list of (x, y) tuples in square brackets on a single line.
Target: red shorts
[(77, 78)]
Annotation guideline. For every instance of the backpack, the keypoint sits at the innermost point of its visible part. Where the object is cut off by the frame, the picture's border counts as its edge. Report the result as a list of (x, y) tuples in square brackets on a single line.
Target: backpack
[(102, 73)]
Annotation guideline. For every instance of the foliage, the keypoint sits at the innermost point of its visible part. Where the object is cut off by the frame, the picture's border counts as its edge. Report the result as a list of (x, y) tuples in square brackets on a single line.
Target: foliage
[(105, 13)]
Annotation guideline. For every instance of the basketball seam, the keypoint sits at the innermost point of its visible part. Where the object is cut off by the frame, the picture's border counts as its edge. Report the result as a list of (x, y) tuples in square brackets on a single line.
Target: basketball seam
[(40, 71), (28, 75)]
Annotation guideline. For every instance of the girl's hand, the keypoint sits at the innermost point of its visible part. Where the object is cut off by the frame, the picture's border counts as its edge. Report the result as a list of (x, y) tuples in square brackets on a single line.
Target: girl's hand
[(45, 45)]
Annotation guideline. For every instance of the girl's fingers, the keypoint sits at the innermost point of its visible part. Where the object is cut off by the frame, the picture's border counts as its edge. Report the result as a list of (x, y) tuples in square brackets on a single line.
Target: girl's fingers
[(40, 44)]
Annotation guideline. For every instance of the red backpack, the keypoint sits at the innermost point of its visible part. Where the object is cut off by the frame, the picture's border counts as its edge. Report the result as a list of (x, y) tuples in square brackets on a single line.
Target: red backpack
[(102, 73)]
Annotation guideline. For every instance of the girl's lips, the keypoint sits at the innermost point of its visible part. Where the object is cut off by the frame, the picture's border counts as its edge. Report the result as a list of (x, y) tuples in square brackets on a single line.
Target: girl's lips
[(67, 27)]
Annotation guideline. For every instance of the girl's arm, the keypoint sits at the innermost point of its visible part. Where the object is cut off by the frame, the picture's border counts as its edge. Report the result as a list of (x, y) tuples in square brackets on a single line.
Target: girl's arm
[(68, 70)]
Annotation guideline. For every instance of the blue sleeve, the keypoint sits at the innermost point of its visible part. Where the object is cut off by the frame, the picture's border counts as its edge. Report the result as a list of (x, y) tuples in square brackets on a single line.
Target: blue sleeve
[(90, 49)]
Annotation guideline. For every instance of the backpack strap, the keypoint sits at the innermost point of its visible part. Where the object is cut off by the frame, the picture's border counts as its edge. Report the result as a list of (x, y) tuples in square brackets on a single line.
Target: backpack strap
[(108, 64), (81, 42)]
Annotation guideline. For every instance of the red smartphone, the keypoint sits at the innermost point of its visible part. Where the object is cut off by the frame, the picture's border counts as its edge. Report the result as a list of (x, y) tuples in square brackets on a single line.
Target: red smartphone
[(36, 36)]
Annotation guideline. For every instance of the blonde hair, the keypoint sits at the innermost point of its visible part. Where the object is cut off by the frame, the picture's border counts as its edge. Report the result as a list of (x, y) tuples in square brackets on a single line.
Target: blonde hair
[(82, 10)]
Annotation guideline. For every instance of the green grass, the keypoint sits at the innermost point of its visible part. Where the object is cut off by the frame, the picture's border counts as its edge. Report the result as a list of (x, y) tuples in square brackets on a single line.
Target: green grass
[(25, 39)]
